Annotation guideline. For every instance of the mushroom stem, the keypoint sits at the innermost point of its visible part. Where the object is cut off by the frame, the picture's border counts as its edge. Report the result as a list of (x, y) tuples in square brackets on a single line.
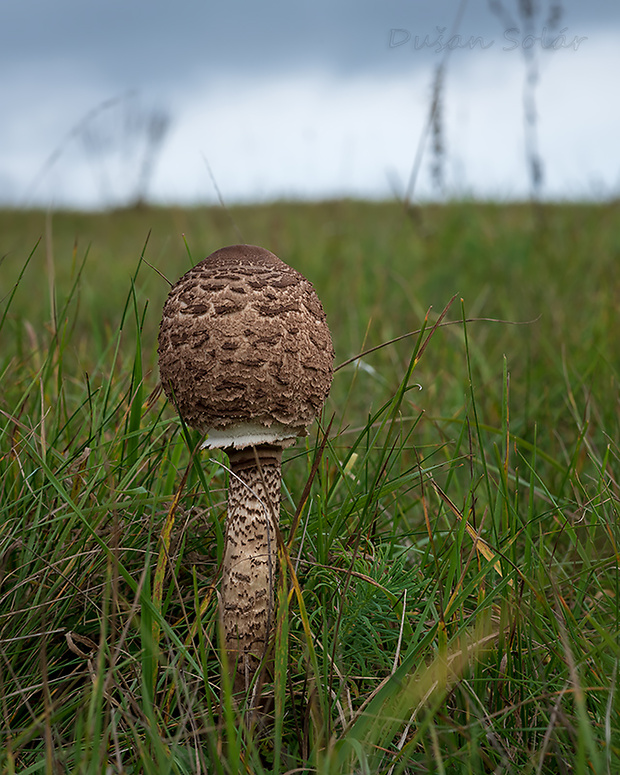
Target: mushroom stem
[(248, 573)]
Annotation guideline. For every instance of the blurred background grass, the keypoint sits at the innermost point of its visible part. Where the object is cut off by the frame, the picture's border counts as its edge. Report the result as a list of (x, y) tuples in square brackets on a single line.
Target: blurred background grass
[(378, 271)]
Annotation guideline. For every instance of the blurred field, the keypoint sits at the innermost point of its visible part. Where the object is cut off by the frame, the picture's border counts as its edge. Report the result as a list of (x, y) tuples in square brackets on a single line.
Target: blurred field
[(377, 271), (514, 436)]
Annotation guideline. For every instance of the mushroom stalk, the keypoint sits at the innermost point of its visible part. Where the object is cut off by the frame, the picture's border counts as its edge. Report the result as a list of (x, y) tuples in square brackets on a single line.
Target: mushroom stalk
[(249, 566)]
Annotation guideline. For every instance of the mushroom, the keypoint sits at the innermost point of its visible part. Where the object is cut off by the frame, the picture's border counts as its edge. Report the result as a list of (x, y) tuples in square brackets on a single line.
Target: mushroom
[(246, 356)]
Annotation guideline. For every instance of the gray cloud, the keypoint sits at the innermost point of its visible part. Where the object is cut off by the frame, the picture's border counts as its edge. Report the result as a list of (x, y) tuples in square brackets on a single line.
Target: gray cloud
[(156, 43), (61, 59)]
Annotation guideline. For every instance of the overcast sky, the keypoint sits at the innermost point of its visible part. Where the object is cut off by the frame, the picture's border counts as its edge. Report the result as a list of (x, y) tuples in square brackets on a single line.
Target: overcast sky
[(307, 100)]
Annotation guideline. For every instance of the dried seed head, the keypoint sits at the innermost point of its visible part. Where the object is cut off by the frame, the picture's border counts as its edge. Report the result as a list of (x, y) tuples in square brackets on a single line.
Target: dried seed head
[(244, 349)]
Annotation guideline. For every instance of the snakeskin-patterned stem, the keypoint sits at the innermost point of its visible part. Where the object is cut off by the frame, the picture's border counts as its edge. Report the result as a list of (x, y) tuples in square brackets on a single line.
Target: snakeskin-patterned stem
[(249, 567)]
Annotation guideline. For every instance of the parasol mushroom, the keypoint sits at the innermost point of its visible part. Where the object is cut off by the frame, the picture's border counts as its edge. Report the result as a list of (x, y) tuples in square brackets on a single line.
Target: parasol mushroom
[(246, 356)]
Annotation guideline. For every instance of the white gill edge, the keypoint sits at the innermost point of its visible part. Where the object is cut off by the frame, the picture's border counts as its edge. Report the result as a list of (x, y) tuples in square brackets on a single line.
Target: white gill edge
[(250, 435)]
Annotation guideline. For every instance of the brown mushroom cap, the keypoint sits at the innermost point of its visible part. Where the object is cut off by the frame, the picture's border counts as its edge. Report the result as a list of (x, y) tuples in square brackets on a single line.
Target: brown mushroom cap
[(245, 353)]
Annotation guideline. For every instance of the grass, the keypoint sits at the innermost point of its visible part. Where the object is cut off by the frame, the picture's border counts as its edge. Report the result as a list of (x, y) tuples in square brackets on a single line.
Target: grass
[(448, 589)]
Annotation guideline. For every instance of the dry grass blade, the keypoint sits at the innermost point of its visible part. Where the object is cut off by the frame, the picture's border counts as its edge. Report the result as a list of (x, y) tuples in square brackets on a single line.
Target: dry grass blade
[(481, 546)]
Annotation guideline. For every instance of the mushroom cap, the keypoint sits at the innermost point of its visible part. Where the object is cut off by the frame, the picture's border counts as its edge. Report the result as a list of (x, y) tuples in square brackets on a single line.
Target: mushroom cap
[(245, 353)]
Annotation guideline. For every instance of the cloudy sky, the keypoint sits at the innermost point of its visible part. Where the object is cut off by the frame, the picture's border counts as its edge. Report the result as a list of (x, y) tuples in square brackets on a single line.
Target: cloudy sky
[(304, 100)]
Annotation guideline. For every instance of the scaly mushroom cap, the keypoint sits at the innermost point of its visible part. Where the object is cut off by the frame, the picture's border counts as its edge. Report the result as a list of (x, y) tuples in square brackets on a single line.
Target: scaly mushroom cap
[(245, 353)]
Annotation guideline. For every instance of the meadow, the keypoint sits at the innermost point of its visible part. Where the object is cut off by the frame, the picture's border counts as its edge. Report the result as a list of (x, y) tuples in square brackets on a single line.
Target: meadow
[(448, 593)]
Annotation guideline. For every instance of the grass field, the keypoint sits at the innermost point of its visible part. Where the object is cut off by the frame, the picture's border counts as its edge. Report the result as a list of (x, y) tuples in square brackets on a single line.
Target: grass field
[(448, 600)]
